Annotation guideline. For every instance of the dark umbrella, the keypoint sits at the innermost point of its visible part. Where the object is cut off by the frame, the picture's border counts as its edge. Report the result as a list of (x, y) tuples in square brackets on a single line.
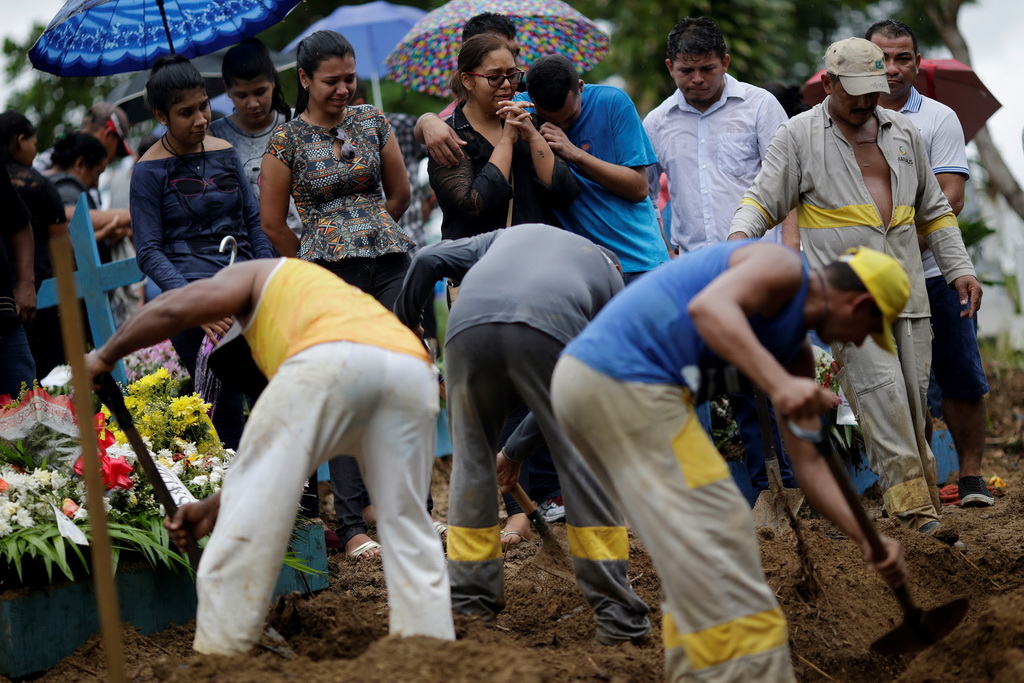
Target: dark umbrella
[(130, 95), (105, 37), (947, 80)]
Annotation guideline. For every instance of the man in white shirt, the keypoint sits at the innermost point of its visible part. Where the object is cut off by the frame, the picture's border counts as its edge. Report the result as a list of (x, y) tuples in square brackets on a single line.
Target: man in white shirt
[(710, 136), (956, 360)]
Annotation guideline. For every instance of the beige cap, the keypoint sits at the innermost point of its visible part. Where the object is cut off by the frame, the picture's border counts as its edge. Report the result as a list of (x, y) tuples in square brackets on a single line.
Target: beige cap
[(859, 63)]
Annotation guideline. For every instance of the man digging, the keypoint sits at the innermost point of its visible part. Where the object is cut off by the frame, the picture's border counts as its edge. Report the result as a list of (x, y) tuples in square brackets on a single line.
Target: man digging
[(624, 392), (345, 377)]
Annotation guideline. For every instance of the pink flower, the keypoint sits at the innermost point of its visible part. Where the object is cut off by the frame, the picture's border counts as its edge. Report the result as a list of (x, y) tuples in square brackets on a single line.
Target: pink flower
[(69, 508)]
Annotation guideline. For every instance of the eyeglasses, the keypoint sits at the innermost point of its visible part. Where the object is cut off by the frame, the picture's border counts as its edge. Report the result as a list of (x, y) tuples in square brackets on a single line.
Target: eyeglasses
[(495, 80), (193, 187), (348, 152)]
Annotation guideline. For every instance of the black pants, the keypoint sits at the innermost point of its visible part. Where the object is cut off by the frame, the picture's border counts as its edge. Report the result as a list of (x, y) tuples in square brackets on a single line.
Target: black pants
[(381, 278)]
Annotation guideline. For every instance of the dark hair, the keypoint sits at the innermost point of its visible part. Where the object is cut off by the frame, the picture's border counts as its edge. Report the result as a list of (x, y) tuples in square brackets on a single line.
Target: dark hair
[(550, 80), (471, 55), (145, 143), (71, 147), (12, 125), (172, 76), (843, 278), (892, 28), (312, 50), (789, 96), (249, 60), (489, 22), (695, 36)]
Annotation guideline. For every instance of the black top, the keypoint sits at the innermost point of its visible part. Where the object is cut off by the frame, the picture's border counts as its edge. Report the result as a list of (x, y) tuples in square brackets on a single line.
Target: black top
[(45, 208), (69, 187), (13, 217), (474, 195)]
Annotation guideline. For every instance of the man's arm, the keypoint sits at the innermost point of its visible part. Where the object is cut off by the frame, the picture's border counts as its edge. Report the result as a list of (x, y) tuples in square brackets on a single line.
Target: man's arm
[(443, 144), (952, 186), (227, 293), (759, 280), (448, 258), (627, 182), (774, 192), (23, 246)]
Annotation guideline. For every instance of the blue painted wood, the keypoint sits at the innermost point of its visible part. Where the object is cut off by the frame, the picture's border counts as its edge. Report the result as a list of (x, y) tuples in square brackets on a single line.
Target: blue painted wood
[(42, 627), (93, 280), (443, 444), (946, 461)]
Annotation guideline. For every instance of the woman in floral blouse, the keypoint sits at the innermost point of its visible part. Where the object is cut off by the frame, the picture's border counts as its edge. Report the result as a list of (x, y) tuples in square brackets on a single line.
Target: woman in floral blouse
[(334, 159)]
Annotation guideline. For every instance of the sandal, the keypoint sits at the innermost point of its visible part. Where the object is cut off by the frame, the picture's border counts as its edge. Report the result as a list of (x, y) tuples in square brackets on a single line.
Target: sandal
[(509, 544), (358, 552), (442, 530)]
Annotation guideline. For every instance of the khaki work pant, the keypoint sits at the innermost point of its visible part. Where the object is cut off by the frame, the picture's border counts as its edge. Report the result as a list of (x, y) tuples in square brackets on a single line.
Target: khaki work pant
[(721, 621)]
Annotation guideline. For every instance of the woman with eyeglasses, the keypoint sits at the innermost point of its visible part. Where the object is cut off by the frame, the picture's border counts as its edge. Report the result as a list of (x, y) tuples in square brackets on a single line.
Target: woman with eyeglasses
[(508, 174), (334, 158), (188, 193)]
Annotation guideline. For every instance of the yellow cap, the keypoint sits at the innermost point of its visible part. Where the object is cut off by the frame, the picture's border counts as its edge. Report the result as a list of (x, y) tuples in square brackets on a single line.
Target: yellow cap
[(886, 282)]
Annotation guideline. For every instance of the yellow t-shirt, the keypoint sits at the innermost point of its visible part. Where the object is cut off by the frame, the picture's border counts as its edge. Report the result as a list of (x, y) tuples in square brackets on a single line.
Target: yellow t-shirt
[(303, 304)]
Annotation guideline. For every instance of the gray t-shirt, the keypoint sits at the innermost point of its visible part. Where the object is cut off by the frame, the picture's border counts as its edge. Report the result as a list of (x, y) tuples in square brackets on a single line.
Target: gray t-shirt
[(534, 274), (250, 148)]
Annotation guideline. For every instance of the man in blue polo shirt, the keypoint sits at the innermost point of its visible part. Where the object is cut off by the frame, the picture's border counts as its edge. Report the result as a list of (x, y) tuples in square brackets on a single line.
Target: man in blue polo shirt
[(598, 132), (624, 391)]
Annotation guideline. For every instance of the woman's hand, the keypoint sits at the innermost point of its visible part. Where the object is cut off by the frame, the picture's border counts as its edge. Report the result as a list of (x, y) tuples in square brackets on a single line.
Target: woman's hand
[(217, 329)]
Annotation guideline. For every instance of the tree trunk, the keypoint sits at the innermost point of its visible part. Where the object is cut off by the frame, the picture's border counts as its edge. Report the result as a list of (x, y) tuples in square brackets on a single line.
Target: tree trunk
[(943, 15)]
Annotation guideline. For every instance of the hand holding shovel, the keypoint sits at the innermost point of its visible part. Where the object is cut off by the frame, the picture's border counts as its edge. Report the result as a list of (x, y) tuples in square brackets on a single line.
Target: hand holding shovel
[(920, 628)]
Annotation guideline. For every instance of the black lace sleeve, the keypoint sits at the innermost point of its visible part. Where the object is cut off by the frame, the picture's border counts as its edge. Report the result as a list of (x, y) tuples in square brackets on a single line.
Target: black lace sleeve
[(469, 191)]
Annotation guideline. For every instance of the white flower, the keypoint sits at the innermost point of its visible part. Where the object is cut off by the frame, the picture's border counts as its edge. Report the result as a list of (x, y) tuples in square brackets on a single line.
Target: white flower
[(201, 480), (5, 527), (24, 518), (43, 476), (81, 513), (57, 480), (58, 377), (216, 475), (178, 468)]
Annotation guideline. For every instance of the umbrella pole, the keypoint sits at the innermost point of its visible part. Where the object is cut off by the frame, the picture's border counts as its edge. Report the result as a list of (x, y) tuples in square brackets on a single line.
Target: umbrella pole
[(167, 28), (377, 99)]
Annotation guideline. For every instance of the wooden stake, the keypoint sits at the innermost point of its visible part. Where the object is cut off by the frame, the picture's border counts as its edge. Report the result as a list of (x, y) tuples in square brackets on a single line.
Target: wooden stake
[(102, 561)]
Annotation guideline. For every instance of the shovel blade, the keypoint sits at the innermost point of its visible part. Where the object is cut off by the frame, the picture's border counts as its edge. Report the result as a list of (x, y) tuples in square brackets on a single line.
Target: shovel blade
[(922, 628)]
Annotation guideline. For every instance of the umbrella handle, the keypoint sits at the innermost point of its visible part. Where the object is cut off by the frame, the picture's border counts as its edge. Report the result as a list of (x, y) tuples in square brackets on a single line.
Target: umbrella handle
[(229, 240)]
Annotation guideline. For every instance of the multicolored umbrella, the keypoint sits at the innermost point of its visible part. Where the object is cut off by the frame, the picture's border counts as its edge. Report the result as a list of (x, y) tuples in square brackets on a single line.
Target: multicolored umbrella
[(426, 57), (105, 37)]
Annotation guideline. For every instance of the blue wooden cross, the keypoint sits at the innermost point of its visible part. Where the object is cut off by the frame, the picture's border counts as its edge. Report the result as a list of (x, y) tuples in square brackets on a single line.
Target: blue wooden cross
[(93, 280)]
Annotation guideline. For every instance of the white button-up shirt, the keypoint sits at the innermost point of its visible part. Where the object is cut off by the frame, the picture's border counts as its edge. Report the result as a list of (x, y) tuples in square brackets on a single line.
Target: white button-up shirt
[(711, 157)]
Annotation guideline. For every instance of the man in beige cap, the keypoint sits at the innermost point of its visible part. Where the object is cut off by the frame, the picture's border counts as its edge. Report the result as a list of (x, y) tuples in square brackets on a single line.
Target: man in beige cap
[(859, 176)]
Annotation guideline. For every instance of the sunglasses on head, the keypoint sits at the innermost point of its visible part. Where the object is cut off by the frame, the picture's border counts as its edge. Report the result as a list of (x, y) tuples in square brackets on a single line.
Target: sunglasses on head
[(348, 152), (495, 80), (193, 187)]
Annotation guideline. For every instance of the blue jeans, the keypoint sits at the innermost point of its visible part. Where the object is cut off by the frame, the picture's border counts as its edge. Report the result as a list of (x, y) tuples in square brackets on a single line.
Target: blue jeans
[(16, 365)]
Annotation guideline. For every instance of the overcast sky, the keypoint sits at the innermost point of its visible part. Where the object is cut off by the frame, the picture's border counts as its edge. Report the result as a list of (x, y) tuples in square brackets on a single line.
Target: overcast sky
[(993, 29)]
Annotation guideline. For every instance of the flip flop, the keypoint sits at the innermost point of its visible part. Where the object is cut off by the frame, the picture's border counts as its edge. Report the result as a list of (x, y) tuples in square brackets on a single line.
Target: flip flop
[(358, 552), (510, 544), (442, 530)]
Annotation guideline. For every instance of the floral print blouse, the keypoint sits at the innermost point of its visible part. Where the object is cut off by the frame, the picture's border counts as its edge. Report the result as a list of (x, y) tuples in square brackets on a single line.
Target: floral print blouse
[(340, 200)]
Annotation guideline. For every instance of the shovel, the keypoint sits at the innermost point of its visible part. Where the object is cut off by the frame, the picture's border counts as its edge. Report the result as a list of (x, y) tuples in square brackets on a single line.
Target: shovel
[(920, 628), (111, 395), (552, 557), (770, 507)]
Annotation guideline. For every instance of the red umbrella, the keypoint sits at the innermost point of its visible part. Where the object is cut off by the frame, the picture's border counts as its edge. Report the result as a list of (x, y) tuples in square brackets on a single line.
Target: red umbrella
[(947, 80)]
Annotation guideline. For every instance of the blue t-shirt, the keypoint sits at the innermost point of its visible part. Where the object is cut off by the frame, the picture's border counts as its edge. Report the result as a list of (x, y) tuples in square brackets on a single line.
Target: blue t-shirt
[(645, 333), (611, 130)]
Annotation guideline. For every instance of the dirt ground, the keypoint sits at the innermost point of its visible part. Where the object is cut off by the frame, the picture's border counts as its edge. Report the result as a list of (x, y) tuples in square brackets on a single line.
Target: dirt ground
[(546, 632)]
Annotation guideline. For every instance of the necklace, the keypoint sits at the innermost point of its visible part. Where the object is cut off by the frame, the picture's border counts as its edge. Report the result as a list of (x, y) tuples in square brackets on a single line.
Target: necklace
[(202, 155), (824, 298)]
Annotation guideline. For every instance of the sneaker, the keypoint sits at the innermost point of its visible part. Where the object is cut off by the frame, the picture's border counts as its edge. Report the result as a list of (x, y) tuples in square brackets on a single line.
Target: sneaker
[(552, 509), (929, 528), (974, 493)]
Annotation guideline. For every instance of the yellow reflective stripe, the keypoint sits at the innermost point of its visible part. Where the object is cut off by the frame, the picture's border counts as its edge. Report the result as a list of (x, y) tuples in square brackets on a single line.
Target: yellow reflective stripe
[(907, 495), (731, 640), (698, 458), (747, 201), (946, 220), (473, 545), (598, 542), (902, 215), (843, 217)]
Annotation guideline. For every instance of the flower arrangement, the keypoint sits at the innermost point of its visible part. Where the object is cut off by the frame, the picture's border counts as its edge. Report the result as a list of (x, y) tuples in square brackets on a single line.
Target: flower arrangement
[(42, 492), (148, 360), (843, 430)]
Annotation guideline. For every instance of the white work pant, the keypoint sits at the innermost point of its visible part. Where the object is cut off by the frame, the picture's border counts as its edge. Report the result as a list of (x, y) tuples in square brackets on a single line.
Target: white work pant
[(643, 442), (338, 397)]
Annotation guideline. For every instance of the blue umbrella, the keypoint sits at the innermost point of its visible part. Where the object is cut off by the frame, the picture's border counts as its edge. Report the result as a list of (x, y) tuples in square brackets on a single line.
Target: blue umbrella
[(374, 29), (104, 37)]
